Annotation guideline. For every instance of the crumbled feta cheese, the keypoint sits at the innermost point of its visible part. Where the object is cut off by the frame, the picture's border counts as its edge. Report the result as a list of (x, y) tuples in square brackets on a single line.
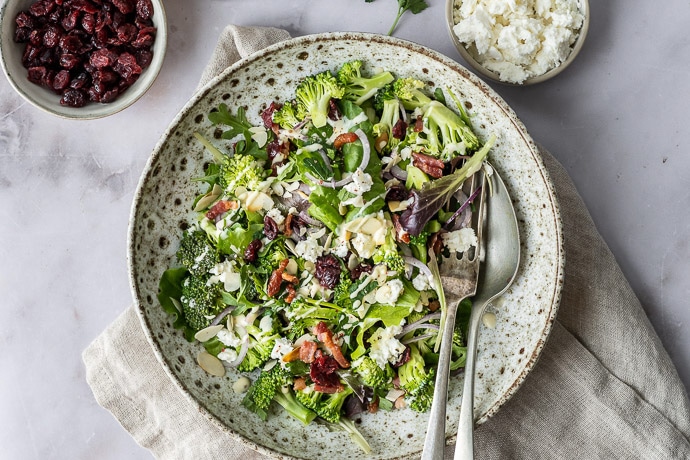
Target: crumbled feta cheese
[(223, 272), (361, 182), (364, 245), (385, 348), (277, 216), (282, 347), (228, 354), (341, 248), (309, 248), (421, 282), (460, 240), (229, 338), (389, 292), (518, 39)]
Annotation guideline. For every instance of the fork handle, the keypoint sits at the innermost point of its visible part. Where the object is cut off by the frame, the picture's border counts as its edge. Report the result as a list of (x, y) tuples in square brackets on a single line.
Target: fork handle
[(435, 440), (464, 447)]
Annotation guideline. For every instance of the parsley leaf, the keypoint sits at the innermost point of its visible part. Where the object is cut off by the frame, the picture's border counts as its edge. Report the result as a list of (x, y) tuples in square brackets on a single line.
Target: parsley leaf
[(414, 6)]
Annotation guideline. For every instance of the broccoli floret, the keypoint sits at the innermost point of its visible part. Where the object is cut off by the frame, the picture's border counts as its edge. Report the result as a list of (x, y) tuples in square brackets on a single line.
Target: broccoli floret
[(196, 253), (304, 313), (409, 91), (271, 256), (240, 171), (417, 382), (385, 93), (261, 343), (445, 130), (389, 118), (371, 374), (313, 96), (274, 386), (286, 116), (418, 245), (388, 254), (357, 87), (200, 301), (330, 405), (309, 397)]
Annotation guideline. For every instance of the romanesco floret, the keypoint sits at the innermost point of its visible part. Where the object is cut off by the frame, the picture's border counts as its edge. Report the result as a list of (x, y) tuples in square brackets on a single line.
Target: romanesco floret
[(313, 96), (417, 382), (357, 87), (196, 253), (240, 170), (286, 116), (200, 301), (446, 130), (371, 374)]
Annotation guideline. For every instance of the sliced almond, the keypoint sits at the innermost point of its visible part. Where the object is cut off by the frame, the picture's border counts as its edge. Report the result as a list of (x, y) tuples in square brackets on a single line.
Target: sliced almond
[(210, 363), (208, 333), (205, 201), (489, 320), (241, 385), (259, 135)]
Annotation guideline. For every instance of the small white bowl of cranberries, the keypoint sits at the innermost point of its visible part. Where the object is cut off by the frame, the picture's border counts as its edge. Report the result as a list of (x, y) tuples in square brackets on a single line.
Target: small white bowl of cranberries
[(82, 59)]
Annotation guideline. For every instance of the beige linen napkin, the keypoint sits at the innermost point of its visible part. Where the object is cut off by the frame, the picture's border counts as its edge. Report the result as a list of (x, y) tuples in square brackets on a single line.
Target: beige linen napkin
[(604, 387)]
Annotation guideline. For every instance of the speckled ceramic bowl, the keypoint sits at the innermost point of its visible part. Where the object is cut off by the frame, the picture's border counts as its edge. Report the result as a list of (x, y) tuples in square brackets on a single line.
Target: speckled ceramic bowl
[(49, 101), (162, 209), (470, 58)]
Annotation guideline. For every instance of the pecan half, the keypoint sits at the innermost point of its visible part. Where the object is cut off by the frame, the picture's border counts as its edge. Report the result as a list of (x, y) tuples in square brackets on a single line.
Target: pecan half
[(344, 138)]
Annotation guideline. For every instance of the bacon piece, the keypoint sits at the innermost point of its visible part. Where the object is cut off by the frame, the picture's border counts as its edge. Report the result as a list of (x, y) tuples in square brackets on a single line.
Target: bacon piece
[(288, 227), (276, 279), (292, 293), (430, 165), (327, 389), (325, 335), (220, 208), (299, 384), (307, 351)]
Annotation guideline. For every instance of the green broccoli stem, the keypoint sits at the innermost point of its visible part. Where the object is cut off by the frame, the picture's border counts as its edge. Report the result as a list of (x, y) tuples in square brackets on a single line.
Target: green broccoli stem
[(293, 407), (349, 426)]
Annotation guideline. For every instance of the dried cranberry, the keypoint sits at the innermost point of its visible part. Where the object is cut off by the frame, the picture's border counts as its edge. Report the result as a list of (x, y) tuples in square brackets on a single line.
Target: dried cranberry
[(109, 96), (37, 74), (145, 38), (70, 43), (267, 114), (323, 371), (144, 9), (144, 58), (69, 21), (270, 228), (400, 129), (56, 15), (83, 5), (36, 37), (88, 23), (22, 34), (41, 8), (328, 271), (251, 254), (127, 66), (333, 111), (397, 193), (80, 81), (47, 57), (61, 80), (24, 20), (126, 33), (124, 6), (356, 272), (51, 36), (73, 98), (103, 58), (404, 357)]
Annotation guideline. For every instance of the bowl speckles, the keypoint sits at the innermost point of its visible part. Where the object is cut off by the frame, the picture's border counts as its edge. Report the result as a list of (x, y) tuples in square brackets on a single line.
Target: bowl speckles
[(162, 207)]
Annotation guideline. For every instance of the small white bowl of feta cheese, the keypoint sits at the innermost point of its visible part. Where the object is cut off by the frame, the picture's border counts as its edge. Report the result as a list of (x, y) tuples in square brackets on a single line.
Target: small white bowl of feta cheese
[(518, 42)]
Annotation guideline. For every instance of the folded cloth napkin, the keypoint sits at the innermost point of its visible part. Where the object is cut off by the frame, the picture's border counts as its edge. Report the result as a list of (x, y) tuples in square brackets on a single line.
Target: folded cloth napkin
[(604, 387)]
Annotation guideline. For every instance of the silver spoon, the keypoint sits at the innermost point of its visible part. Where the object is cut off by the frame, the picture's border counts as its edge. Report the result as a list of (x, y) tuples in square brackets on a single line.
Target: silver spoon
[(499, 267)]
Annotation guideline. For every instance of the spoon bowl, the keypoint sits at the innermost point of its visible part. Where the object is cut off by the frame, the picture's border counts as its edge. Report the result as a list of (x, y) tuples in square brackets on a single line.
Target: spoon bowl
[(501, 254)]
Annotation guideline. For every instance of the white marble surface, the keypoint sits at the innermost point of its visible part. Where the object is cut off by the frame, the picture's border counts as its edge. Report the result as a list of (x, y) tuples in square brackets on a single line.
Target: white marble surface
[(617, 119)]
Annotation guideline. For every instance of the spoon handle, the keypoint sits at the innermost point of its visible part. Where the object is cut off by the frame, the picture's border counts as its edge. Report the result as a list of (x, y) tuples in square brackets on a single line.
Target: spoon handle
[(464, 447), (435, 440)]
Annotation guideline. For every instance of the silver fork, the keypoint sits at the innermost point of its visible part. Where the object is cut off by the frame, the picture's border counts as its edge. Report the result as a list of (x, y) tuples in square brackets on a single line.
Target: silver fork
[(458, 281)]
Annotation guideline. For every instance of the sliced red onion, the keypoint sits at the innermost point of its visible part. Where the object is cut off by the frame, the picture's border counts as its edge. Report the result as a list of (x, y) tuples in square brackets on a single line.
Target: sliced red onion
[(222, 315), (418, 338), (241, 354), (398, 172), (418, 264), (326, 160), (464, 205), (304, 215), (421, 323)]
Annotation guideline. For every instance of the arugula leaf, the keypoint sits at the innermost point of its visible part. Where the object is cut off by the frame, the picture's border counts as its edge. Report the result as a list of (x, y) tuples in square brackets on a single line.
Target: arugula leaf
[(414, 6), (239, 126), (434, 195)]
